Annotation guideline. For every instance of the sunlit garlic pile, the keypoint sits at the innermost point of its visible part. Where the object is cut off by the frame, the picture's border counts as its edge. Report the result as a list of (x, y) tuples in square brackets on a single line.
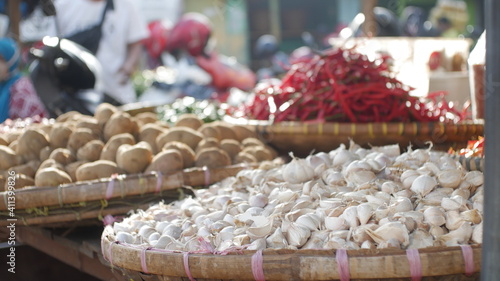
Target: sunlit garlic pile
[(348, 198)]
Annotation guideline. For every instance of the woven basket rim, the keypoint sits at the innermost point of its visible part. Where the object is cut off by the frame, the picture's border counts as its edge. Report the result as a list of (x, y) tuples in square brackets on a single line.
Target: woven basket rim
[(172, 263), (117, 187)]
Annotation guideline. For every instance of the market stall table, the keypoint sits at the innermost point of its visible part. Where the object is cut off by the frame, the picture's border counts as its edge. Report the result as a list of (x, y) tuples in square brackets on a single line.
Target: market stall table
[(77, 247)]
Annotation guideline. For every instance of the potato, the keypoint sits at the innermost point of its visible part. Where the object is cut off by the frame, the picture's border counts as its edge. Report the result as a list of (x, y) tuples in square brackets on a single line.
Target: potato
[(96, 170), (13, 145), (243, 132), (259, 152), (72, 167), (244, 157), (91, 151), (21, 181), (104, 111), (212, 157), (8, 158), (231, 147), (183, 134), (3, 141), (252, 142), (166, 161), (163, 124), (79, 138), (226, 130), (119, 123), (45, 153), (63, 156), (3, 182), (12, 136), (144, 118), (206, 143), (90, 123), (29, 169), (134, 159), (210, 131), (69, 116), (50, 163), (109, 150), (30, 143), (189, 120), (46, 128), (51, 177), (149, 133), (59, 135), (186, 152)]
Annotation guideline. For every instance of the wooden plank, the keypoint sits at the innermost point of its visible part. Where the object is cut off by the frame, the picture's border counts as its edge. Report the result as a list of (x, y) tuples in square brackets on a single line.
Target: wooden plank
[(67, 251), (15, 17)]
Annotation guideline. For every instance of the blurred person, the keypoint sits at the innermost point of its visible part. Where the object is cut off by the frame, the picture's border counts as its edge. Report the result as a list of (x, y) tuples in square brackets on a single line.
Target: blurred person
[(18, 98), (120, 46)]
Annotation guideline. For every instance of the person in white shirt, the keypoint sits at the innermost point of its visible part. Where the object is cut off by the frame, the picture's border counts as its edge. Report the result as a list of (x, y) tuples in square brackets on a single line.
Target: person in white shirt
[(120, 46)]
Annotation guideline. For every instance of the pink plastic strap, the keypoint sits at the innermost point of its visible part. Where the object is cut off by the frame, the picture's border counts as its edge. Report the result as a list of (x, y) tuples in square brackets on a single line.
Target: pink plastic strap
[(343, 264), (468, 259), (110, 253), (415, 264), (159, 181), (257, 268), (143, 261), (109, 219), (111, 187), (186, 266), (207, 175)]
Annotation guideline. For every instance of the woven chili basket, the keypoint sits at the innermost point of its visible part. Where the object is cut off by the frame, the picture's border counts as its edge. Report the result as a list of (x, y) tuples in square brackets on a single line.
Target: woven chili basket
[(303, 138)]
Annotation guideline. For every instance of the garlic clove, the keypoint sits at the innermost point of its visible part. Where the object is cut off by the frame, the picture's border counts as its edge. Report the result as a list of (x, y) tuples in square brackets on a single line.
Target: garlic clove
[(473, 216), (434, 216), (391, 230), (335, 223), (297, 235), (364, 212), (453, 220), (420, 239), (477, 234), (423, 185), (450, 178), (277, 240), (125, 237)]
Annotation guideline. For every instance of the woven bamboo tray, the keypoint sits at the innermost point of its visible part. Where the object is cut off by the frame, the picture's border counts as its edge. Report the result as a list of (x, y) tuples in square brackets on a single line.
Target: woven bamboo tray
[(435, 263), (93, 199), (302, 138), (86, 213)]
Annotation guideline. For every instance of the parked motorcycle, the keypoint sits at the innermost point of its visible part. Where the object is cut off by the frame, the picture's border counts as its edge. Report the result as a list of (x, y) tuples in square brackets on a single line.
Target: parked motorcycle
[(194, 68), (66, 77)]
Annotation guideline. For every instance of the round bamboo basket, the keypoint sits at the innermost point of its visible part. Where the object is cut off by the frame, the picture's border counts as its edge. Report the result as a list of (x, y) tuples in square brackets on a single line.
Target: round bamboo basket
[(303, 138), (94, 199), (435, 263)]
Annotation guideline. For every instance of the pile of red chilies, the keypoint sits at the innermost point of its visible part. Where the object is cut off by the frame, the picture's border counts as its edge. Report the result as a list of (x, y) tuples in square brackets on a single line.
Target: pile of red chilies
[(342, 85)]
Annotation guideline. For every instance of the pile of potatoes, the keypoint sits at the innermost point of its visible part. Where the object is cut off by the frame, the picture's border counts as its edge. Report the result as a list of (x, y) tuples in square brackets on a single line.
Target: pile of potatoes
[(78, 147)]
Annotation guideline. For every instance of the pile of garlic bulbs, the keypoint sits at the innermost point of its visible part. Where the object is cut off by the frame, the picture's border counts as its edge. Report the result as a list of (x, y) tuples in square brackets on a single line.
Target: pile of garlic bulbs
[(348, 198)]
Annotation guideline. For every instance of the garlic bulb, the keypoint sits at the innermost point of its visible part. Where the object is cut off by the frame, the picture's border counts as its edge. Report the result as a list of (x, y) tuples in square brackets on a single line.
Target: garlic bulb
[(297, 171)]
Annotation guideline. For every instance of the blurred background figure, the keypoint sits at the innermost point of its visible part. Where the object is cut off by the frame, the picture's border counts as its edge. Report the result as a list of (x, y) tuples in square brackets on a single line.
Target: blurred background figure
[(120, 46), (450, 17), (18, 98)]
